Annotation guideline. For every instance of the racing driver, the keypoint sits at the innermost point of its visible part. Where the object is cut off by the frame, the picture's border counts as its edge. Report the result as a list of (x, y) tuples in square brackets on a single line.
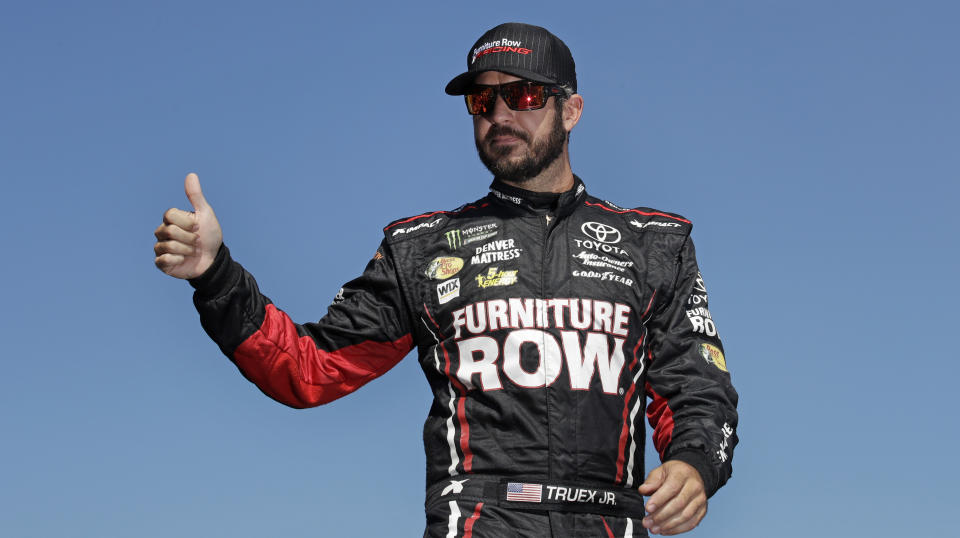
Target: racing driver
[(544, 319)]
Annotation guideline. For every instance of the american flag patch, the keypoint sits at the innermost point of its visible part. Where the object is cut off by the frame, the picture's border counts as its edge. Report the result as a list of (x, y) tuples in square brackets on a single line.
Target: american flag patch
[(518, 491)]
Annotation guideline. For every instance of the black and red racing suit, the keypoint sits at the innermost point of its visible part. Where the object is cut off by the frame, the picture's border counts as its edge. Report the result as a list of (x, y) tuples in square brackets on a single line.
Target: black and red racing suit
[(542, 323)]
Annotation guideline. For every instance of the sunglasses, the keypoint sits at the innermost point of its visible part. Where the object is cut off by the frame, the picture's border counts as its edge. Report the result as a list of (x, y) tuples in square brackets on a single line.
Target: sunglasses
[(520, 95)]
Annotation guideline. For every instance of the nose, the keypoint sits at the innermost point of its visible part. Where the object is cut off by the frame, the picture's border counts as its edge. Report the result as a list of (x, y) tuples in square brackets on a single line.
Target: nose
[(500, 113)]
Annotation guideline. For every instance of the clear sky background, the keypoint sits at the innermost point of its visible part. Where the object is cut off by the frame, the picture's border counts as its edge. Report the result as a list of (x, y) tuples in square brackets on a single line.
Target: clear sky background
[(814, 144)]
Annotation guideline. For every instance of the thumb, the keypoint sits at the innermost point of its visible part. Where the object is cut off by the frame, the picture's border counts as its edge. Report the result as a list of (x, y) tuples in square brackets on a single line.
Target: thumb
[(653, 482), (194, 193)]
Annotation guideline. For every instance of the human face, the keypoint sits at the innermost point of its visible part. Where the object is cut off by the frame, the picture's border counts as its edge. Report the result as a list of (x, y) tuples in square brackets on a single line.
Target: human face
[(517, 145)]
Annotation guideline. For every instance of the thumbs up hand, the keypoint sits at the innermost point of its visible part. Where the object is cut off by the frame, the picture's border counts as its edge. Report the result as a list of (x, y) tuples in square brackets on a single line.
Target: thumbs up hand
[(187, 241)]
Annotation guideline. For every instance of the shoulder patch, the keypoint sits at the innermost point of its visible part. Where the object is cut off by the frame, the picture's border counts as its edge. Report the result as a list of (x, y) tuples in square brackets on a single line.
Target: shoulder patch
[(422, 224), (645, 218), (412, 225)]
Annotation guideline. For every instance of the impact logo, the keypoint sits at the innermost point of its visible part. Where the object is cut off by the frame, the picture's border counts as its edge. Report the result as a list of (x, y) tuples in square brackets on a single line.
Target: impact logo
[(643, 225), (500, 45), (713, 355), (430, 224), (443, 268), (497, 278)]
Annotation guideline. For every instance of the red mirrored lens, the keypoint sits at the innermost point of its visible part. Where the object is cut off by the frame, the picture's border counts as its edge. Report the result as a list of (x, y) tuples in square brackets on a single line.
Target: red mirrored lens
[(480, 99), (523, 95)]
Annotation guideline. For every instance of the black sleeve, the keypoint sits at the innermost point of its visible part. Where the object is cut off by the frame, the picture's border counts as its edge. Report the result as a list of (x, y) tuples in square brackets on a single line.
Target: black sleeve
[(693, 407)]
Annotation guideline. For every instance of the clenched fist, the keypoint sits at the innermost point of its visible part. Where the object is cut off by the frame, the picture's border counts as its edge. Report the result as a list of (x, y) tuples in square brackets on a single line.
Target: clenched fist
[(187, 242)]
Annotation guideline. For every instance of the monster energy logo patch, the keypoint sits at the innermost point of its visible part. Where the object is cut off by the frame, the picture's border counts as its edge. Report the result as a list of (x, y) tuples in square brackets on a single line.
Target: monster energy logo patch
[(454, 239), (465, 236)]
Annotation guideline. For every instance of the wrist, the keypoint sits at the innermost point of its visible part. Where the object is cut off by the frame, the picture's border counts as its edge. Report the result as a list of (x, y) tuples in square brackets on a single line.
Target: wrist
[(215, 276), (701, 462)]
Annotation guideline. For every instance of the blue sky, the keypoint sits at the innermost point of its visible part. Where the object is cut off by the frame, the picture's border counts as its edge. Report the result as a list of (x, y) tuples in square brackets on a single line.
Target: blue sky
[(813, 144)]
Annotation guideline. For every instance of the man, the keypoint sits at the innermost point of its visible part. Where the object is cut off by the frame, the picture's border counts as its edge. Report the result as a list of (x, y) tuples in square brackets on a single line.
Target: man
[(543, 319)]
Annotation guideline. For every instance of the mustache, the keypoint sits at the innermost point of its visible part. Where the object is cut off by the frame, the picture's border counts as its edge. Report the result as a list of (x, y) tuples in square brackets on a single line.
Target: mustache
[(503, 130)]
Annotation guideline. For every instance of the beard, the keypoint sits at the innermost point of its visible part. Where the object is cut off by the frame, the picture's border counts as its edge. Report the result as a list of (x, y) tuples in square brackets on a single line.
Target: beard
[(537, 156)]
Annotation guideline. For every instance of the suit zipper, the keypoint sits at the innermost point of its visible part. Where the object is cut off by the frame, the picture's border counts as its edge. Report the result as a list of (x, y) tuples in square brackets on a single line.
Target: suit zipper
[(543, 297)]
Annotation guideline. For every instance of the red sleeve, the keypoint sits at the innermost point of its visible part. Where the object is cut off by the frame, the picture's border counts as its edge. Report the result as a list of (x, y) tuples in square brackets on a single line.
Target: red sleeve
[(364, 334)]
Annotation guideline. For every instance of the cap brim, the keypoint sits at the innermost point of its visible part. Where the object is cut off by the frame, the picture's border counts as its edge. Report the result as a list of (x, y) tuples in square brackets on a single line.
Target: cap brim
[(462, 82)]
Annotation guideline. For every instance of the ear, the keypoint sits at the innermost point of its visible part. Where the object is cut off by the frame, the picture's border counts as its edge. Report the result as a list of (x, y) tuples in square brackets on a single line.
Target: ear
[(572, 109)]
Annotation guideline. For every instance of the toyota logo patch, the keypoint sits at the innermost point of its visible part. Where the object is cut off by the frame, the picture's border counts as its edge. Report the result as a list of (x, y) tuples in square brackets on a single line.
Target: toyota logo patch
[(601, 232)]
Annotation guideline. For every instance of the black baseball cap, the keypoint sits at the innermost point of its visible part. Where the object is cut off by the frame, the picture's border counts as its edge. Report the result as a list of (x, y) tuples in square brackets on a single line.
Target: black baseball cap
[(522, 50)]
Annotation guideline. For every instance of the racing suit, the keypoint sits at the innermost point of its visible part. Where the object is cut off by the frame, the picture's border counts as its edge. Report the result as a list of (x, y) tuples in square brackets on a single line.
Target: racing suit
[(543, 322)]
